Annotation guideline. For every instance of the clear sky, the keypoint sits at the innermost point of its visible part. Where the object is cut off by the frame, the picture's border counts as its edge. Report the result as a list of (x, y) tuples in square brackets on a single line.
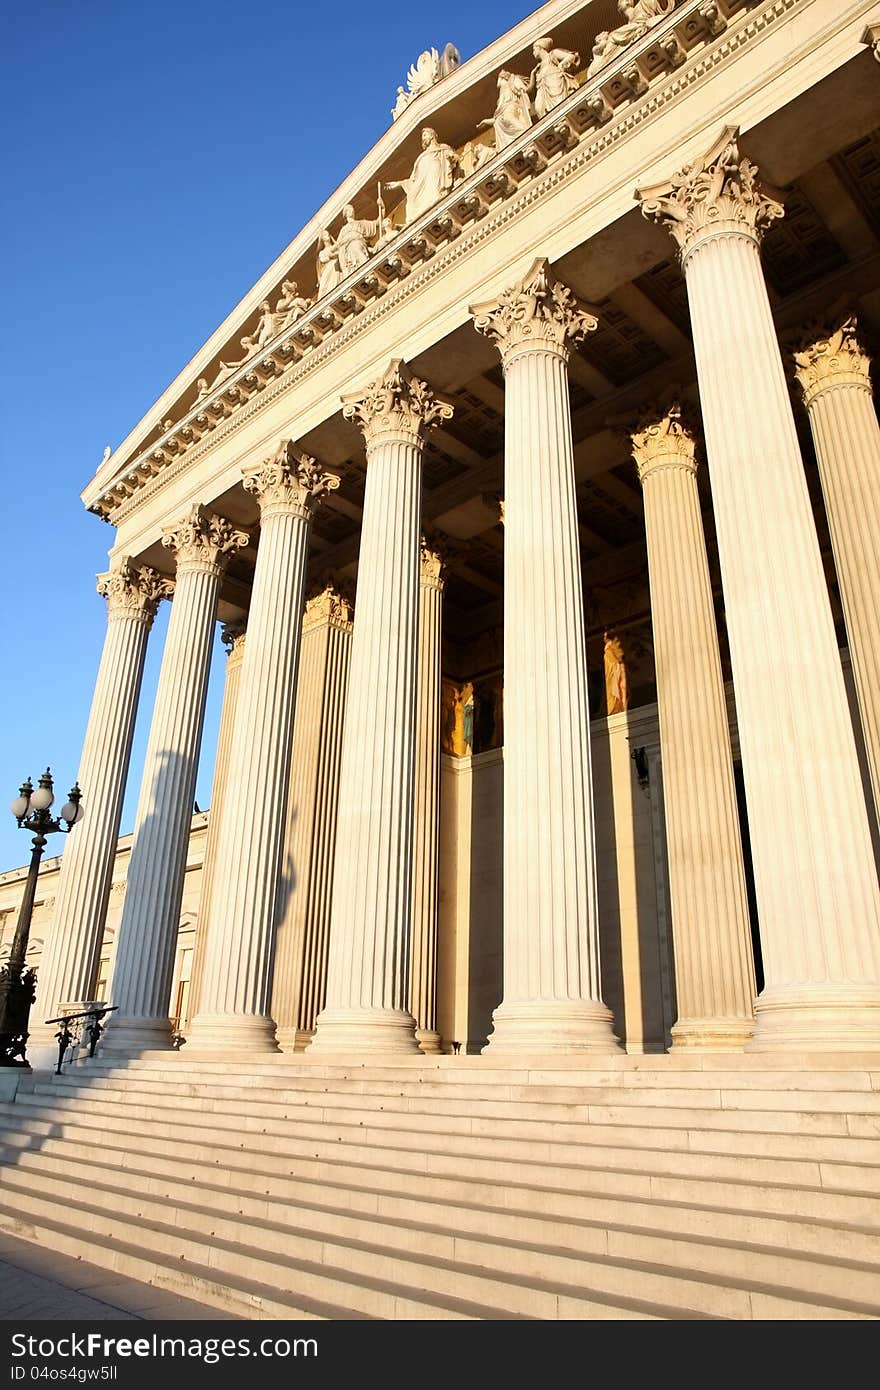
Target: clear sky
[(158, 157)]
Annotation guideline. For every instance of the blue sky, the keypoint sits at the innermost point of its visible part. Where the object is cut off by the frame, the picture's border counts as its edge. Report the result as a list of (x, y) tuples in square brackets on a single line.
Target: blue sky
[(158, 157)]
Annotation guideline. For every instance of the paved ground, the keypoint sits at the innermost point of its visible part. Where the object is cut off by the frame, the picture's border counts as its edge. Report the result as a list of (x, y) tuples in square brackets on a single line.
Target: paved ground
[(39, 1284)]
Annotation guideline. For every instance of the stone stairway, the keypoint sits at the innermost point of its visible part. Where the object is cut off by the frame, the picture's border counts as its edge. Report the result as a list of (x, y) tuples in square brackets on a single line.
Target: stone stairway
[(629, 1187)]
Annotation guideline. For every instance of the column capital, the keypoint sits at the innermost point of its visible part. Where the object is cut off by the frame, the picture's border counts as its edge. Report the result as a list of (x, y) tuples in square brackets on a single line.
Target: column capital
[(719, 193), (202, 540), (537, 313), (831, 355), (289, 481), (232, 636), (662, 439), (398, 405), (133, 592), (433, 559), (331, 606)]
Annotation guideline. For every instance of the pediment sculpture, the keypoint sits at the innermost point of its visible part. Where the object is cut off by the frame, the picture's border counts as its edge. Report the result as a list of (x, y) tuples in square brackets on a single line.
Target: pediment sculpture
[(433, 175), (640, 16), (428, 69)]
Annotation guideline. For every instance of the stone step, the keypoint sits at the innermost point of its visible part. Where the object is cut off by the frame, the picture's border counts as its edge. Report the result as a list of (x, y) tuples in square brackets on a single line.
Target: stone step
[(471, 1081), (509, 1186), (696, 1276), (571, 1224), (695, 1156), (375, 1282), (466, 1135), (540, 1104)]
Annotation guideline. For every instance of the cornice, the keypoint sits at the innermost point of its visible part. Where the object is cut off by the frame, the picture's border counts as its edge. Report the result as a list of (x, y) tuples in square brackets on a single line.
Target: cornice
[(584, 126)]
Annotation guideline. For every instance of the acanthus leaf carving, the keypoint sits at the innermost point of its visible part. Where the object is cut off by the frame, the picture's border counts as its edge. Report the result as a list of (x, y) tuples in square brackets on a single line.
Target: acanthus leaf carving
[(831, 355), (133, 591), (289, 480), (721, 192), (332, 605), (398, 403), (433, 559), (663, 438), (203, 540), (538, 311)]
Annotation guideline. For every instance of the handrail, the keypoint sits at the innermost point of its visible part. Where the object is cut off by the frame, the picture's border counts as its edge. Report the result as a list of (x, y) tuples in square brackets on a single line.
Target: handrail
[(68, 1037)]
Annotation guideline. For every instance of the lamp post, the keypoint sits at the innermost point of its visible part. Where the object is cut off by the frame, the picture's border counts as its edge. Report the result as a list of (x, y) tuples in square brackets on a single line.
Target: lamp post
[(31, 808)]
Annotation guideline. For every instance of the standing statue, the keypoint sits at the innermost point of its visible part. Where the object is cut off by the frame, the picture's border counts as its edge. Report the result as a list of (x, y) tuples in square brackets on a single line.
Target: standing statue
[(291, 305), (327, 269), (616, 685), (513, 112), (401, 103), (433, 174), (353, 242), (552, 80), (640, 16)]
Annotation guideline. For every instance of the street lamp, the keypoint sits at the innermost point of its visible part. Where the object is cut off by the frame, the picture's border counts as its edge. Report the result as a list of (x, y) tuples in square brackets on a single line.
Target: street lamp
[(18, 984)]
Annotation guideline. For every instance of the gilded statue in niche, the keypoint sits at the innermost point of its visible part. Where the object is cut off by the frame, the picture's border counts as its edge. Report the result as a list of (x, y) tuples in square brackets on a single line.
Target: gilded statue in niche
[(457, 718), (489, 714), (616, 682)]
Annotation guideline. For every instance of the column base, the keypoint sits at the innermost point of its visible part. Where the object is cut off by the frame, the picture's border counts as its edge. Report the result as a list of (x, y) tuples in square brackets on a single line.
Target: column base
[(548, 1025), (428, 1041), (838, 1018), (128, 1037), (365, 1030), (293, 1039), (712, 1034), (249, 1033)]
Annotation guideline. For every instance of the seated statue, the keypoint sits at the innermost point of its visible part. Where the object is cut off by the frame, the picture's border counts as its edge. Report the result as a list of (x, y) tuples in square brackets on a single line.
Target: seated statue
[(640, 17), (291, 305), (353, 242)]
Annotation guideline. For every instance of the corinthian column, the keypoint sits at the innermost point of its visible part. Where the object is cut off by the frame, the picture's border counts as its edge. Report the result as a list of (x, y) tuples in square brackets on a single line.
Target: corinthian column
[(834, 373), (368, 997), (714, 973), (202, 544), (69, 967), (816, 884), (299, 981), (240, 948), (552, 994), (427, 801), (233, 635)]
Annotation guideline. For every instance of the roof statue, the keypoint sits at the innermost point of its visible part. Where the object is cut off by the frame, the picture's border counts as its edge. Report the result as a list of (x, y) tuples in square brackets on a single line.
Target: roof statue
[(428, 68)]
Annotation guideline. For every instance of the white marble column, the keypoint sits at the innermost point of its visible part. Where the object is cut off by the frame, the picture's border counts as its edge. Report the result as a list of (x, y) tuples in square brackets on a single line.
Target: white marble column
[(368, 998), (815, 879), (552, 993), (240, 946), (233, 636), (202, 544), (68, 969), (834, 373), (426, 863), (299, 981), (714, 971)]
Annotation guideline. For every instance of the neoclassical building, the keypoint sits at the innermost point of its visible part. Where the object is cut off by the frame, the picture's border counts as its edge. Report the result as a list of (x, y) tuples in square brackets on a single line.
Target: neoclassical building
[(539, 500), (582, 424)]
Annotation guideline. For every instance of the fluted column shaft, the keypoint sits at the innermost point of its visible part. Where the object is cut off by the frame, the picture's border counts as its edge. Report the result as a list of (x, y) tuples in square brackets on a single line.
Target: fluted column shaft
[(714, 971), (834, 373), (426, 860), (234, 639), (68, 970), (552, 992), (815, 880), (299, 982), (154, 885), (367, 1006), (239, 951)]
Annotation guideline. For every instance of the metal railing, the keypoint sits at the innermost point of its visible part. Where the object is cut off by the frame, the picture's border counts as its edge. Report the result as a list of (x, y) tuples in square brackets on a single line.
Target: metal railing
[(73, 1027)]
